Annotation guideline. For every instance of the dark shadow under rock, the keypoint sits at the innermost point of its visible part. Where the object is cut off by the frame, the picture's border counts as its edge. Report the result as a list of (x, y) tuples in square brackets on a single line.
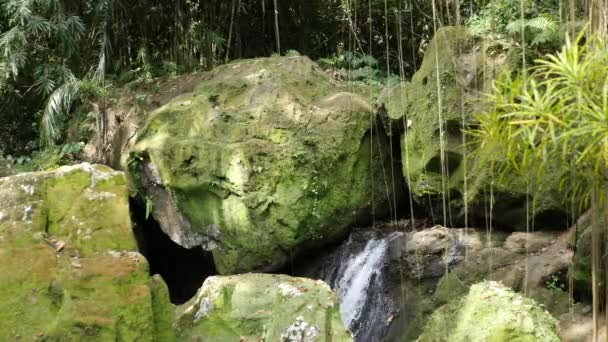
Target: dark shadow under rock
[(184, 270)]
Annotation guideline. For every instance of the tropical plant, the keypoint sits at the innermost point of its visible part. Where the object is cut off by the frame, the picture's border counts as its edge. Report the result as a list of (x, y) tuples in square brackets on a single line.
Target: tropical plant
[(557, 113), (39, 50), (555, 119)]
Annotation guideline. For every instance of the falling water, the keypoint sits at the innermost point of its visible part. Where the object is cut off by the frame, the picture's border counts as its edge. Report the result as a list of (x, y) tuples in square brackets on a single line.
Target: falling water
[(355, 278)]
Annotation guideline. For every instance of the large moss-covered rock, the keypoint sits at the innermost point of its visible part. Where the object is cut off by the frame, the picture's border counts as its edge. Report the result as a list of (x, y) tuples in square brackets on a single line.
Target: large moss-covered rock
[(449, 88), (491, 312), (262, 159), (68, 270), (256, 307)]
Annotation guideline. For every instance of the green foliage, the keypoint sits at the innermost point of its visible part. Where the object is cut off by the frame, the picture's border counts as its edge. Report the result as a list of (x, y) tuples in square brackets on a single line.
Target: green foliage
[(504, 19), (353, 67), (494, 18), (41, 49), (45, 45), (552, 119), (537, 31), (47, 159), (555, 282), (144, 69)]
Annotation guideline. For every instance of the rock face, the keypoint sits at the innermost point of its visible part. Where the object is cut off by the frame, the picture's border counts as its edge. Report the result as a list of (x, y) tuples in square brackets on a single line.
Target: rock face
[(255, 307), (583, 261), (452, 61), (458, 69), (534, 263), (262, 159), (409, 280), (491, 312), (68, 270)]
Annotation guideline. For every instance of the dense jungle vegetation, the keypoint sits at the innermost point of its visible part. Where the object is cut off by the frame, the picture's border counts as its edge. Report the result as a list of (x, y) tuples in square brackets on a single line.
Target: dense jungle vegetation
[(57, 53)]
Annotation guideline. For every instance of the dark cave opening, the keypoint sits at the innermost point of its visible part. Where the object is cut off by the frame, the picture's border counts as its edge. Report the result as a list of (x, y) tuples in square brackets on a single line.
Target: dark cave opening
[(183, 270)]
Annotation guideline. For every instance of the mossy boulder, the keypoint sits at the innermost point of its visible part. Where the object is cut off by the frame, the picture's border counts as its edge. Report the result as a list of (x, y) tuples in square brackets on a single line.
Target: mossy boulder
[(256, 307), (457, 72), (438, 265), (491, 312), (262, 159), (68, 266)]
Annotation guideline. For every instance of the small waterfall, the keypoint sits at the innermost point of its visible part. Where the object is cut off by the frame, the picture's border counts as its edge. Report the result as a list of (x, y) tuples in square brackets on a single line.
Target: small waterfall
[(364, 271), (359, 281), (356, 278)]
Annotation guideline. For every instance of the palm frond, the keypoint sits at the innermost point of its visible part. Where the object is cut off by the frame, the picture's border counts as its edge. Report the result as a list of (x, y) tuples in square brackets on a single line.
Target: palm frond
[(43, 80), (555, 119), (56, 109), (68, 33), (104, 41)]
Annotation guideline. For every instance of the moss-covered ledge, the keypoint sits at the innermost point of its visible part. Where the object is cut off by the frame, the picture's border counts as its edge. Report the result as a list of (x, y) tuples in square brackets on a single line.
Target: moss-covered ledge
[(69, 270)]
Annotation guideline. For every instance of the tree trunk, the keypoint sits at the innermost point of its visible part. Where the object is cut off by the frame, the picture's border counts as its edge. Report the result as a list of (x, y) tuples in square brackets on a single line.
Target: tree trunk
[(598, 18)]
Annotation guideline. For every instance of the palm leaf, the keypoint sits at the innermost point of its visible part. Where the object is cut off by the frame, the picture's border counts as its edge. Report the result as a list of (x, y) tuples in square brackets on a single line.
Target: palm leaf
[(56, 109)]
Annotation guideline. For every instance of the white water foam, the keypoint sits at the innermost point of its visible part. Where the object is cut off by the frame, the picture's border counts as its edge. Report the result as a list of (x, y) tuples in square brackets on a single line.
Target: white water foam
[(355, 279)]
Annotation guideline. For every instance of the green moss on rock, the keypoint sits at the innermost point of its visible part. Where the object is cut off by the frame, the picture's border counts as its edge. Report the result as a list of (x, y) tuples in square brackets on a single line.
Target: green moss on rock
[(457, 71), (254, 307), (491, 312), (262, 159), (446, 85), (67, 267)]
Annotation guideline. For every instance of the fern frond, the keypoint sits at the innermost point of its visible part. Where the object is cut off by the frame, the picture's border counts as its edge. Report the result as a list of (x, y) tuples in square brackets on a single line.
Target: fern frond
[(361, 61), (516, 26), (543, 24)]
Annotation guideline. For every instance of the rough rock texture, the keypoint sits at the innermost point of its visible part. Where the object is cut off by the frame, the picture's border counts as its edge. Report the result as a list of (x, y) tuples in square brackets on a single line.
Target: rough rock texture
[(262, 159), (536, 264), (491, 312), (256, 307), (456, 72), (123, 115), (5, 167), (68, 270), (582, 263), (412, 281)]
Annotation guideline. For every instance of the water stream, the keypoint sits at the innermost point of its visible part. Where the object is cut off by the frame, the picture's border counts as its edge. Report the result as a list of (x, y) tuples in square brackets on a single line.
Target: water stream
[(359, 271), (362, 271)]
